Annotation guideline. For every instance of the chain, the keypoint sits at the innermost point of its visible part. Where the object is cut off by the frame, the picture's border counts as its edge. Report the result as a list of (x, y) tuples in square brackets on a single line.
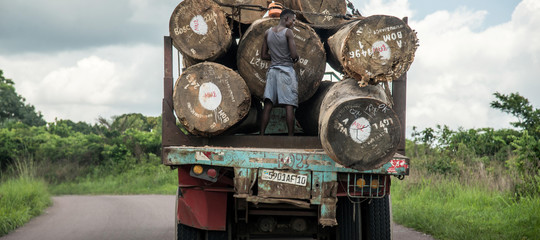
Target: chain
[(251, 7)]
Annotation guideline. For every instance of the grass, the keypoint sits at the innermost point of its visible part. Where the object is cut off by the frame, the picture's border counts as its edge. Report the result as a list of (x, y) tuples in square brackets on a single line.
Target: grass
[(447, 209), (21, 199), (23, 196), (143, 179)]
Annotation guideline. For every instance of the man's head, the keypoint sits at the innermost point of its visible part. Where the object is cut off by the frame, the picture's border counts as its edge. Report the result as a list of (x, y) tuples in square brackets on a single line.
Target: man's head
[(288, 17)]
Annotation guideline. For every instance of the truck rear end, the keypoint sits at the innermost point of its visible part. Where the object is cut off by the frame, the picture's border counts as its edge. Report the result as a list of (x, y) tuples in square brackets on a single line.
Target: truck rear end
[(245, 186)]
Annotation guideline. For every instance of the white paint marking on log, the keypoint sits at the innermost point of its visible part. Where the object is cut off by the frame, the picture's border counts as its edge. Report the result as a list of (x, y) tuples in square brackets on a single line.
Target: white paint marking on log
[(383, 49), (198, 25), (210, 96), (360, 130)]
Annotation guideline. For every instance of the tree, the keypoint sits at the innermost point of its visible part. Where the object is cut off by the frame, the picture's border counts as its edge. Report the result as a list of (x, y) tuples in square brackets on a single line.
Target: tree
[(13, 106), (527, 146), (519, 106)]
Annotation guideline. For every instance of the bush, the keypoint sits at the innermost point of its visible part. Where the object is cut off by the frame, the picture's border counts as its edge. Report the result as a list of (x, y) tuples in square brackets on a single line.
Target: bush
[(527, 165)]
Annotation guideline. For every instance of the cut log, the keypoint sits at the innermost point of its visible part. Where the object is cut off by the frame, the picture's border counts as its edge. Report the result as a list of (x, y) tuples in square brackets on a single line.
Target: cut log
[(209, 98), (228, 59), (244, 14), (251, 123), (357, 127), (309, 69), (307, 113), (375, 49), (199, 29), (321, 13)]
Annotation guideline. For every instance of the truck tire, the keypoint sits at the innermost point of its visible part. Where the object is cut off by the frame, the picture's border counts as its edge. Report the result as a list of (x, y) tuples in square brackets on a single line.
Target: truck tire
[(348, 216), (217, 235), (184, 232), (376, 219)]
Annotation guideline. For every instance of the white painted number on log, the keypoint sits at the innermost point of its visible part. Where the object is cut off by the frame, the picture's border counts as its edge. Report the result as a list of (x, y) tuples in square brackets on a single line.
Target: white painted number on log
[(360, 130), (259, 63), (383, 124), (209, 96), (327, 17), (192, 82)]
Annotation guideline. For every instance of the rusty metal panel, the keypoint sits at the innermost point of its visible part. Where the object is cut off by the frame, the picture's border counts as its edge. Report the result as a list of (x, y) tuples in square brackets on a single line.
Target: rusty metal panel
[(269, 158), (316, 185), (328, 212), (244, 178), (299, 188)]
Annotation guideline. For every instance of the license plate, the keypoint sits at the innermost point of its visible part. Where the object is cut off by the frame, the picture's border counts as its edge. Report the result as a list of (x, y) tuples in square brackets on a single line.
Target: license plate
[(284, 177)]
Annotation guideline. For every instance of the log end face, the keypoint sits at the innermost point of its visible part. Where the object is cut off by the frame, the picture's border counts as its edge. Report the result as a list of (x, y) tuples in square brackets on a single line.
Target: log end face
[(199, 29), (378, 48), (209, 98), (358, 127)]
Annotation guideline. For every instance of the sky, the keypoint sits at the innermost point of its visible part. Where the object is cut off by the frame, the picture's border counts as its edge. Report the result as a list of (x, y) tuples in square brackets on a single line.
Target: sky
[(80, 60)]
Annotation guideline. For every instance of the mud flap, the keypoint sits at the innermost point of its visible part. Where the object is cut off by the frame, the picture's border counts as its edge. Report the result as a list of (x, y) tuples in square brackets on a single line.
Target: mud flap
[(327, 208)]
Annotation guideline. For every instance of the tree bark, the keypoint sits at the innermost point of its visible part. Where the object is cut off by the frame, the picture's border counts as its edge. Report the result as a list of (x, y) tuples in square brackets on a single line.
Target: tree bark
[(199, 29), (307, 113), (309, 69), (318, 13), (375, 49), (357, 127), (228, 59), (209, 98)]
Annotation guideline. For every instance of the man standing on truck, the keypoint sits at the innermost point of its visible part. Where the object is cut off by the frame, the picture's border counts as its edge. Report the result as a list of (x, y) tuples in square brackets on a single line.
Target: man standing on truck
[(281, 84)]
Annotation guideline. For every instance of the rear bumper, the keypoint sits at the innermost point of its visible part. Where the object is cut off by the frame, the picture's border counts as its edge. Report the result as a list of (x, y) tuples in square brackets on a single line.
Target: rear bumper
[(269, 158)]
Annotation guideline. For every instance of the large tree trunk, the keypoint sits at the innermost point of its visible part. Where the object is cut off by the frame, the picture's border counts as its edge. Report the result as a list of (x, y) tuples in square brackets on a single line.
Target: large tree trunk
[(199, 29), (244, 15), (357, 127), (321, 13), (375, 49), (309, 69), (209, 98), (307, 113), (228, 59)]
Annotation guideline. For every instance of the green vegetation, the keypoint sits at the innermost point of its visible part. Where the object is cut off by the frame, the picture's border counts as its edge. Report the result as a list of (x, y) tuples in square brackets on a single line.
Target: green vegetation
[(13, 106), (21, 197), (143, 179), (446, 209), (475, 183)]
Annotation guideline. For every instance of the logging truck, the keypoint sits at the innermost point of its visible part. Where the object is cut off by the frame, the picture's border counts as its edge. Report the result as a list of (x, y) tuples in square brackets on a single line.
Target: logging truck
[(332, 179)]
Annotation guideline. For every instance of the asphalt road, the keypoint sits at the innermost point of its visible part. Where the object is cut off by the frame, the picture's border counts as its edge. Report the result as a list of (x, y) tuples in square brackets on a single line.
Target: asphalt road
[(119, 217)]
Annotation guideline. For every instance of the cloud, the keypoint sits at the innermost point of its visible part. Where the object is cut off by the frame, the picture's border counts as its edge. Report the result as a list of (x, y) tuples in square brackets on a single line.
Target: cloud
[(83, 85), (398, 8), (51, 26)]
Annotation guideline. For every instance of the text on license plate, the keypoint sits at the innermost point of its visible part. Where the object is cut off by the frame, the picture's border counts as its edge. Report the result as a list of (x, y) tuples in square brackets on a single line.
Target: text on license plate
[(284, 177)]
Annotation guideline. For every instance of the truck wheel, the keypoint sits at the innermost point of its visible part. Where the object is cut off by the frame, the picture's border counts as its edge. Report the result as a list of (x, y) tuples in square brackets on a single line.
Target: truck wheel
[(349, 220), (376, 219), (184, 232), (217, 235)]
